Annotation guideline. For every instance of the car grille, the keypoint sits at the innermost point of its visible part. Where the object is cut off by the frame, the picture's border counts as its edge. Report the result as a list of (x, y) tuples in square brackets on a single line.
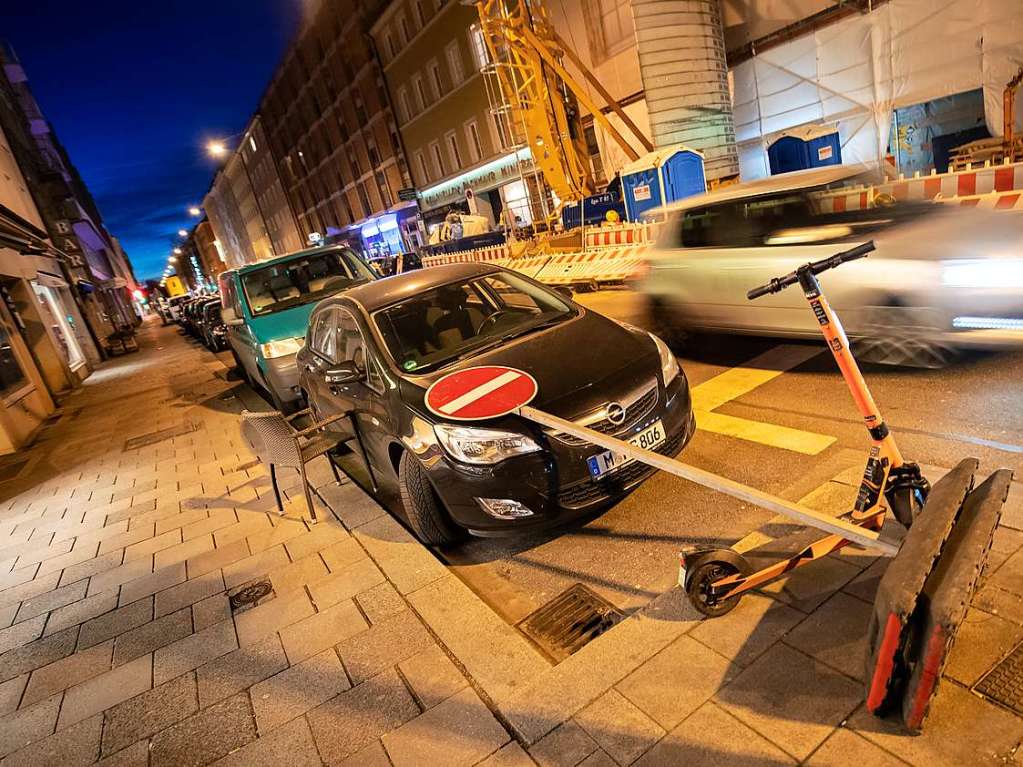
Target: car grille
[(593, 491), (633, 414)]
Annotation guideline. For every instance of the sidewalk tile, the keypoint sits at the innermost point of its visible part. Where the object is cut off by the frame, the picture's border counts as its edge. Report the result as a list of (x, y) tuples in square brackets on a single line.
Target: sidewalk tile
[(746, 632), (372, 755), (982, 640), (21, 633), (11, 692), (298, 689), (710, 736), (116, 622), (106, 690), (806, 588), (432, 676), (161, 579), (119, 575), (136, 755), (356, 718), (406, 563), (254, 566), (996, 601), (240, 669), (272, 616), (459, 731), (510, 755), (29, 589), (291, 744), (193, 651), (677, 681), (211, 610), (217, 520), (619, 728), (92, 567), (844, 748), (77, 555), (185, 517), (218, 558), (598, 758), (28, 725), (259, 532), (181, 552), (76, 746), (81, 611), (791, 699), (836, 634), (39, 653), (298, 574), (152, 636), (383, 645), (206, 736), (322, 630), (140, 533), (565, 746), (188, 593), (148, 713), (51, 600), (67, 672), (150, 546), (379, 602), (343, 554), (346, 582), (322, 536)]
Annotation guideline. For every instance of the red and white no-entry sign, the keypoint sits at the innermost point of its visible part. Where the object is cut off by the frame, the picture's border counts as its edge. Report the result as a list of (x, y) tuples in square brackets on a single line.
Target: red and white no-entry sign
[(478, 393)]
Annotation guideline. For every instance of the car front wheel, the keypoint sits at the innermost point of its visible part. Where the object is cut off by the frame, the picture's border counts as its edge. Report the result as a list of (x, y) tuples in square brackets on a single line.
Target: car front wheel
[(426, 516)]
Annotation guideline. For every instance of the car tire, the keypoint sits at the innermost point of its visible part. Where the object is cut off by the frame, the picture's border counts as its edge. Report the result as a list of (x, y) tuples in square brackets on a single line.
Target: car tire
[(666, 327), (426, 517), (901, 336)]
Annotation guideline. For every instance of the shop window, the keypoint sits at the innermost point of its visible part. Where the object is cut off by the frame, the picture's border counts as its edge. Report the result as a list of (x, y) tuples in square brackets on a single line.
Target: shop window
[(472, 135), (609, 27), (478, 44), (12, 377), (454, 57), (516, 199), (452, 141), (438, 158), (434, 68)]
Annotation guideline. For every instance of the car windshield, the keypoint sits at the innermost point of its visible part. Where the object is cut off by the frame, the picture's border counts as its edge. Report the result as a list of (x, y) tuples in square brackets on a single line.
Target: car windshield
[(461, 318), (285, 284)]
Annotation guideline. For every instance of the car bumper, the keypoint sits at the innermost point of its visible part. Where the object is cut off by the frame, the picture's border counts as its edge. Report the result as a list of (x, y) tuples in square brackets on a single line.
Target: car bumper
[(555, 484), (282, 377)]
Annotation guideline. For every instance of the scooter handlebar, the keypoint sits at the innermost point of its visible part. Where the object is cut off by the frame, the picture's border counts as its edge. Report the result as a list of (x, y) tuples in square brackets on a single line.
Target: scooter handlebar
[(777, 284)]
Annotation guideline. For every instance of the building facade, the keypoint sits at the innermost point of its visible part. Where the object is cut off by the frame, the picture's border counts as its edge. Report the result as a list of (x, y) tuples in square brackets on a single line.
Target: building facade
[(208, 250), (270, 200)]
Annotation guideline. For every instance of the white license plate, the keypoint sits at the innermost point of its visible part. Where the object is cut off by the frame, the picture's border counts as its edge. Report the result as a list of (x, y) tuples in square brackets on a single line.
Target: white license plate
[(609, 461)]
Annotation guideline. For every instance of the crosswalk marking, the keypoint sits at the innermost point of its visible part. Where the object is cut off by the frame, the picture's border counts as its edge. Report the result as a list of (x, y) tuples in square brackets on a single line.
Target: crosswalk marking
[(738, 381)]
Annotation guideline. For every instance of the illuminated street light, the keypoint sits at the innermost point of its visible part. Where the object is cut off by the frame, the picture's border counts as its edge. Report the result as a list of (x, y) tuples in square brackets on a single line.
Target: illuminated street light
[(172, 260), (177, 251), (182, 233), (216, 148), (194, 211)]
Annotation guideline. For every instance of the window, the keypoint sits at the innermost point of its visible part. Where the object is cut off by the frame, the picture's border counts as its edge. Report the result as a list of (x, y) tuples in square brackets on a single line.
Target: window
[(452, 140), (364, 197), (404, 105), (321, 336), (609, 27), (502, 139), (284, 284), (454, 56), (360, 108), (252, 143), (516, 200), (438, 158), (478, 45), (472, 136), (420, 13), (392, 51), (403, 30), (371, 150), (424, 170), (424, 100), (384, 189), (434, 69), (352, 348)]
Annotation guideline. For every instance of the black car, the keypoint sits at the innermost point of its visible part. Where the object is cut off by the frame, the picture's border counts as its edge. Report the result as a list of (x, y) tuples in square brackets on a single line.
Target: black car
[(214, 331), (374, 351)]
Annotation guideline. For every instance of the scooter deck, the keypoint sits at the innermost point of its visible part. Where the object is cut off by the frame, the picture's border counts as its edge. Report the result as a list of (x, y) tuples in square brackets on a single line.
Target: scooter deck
[(780, 549)]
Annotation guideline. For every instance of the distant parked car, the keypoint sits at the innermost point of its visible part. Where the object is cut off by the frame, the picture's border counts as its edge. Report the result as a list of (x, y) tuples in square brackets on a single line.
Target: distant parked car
[(374, 350), (266, 308), (214, 331)]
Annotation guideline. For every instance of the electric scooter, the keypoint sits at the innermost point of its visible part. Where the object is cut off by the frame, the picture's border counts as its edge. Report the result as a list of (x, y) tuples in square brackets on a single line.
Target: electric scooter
[(715, 580)]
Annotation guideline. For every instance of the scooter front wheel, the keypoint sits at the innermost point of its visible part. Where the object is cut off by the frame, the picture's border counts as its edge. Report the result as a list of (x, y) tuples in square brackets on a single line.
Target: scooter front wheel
[(702, 574)]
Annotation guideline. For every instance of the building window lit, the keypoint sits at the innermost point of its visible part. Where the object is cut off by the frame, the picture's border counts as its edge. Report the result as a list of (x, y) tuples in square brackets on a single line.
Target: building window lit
[(438, 158), (516, 199), (456, 159), (438, 87), (480, 54), (472, 134), (252, 143), (454, 57)]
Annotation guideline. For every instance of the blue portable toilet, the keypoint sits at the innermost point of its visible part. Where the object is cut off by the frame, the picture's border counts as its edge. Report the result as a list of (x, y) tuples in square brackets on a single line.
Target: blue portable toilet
[(808, 146), (662, 176)]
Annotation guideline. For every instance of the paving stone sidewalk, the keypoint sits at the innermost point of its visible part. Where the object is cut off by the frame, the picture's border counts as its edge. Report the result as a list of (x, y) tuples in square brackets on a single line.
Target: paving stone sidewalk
[(141, 509)]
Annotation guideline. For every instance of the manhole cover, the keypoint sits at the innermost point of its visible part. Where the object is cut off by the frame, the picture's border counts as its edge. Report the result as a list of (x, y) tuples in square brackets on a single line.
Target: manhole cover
[(250, 594), (569, 621), (1004, 683)]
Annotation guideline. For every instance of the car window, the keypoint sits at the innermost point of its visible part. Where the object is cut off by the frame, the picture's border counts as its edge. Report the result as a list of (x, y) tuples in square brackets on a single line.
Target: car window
[(285, 284), (351, 347), (323, 335)]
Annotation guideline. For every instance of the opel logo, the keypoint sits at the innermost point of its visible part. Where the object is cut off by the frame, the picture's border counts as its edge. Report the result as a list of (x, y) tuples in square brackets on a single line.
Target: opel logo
[(615, 413)]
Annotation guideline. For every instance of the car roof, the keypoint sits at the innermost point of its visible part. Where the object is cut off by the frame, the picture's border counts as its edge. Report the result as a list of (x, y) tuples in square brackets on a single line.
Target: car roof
[(783, 182), (389, 290)]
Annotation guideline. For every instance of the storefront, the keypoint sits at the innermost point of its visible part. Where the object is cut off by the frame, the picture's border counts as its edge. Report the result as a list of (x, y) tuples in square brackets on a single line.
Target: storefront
[(59, 316)]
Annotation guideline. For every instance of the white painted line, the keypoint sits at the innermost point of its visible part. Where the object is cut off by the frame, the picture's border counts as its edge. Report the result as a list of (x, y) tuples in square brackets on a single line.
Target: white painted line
[(479, 392)]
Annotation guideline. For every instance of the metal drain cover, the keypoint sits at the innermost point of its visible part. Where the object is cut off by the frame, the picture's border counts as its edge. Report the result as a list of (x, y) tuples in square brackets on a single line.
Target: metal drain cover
[(570, 621), (250, 594), (1004, 683)]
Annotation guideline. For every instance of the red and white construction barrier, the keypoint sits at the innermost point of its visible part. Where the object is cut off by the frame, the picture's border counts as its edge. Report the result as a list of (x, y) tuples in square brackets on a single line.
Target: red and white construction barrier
[(593, 266), (620, 234), (489, 254), (993, 201)]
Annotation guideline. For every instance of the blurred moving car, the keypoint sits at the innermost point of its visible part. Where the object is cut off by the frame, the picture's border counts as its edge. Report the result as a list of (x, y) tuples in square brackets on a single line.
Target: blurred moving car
[(943, 277), (266, 308), (374, 350)]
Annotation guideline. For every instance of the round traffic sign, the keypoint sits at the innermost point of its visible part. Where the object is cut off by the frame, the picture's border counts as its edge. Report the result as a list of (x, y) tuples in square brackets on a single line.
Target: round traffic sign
[(479, 393)]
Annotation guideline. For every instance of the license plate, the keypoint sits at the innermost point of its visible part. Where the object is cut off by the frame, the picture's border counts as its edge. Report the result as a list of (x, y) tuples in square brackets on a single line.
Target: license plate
[(609, 461)]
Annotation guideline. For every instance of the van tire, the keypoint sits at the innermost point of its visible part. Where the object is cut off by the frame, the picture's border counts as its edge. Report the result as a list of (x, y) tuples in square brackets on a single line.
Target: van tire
[(426, 517)]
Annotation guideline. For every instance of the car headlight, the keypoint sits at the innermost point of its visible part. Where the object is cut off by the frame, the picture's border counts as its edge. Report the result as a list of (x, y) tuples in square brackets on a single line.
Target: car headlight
[(281, 348), (669, 364), (470, 444), (983, 273)]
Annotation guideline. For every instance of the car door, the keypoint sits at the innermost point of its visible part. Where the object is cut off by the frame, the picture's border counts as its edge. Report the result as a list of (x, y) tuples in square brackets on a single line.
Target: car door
[(322, 354)]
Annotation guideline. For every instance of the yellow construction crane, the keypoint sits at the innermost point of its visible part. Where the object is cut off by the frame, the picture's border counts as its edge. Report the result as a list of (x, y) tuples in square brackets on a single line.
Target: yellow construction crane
[(534, 99)]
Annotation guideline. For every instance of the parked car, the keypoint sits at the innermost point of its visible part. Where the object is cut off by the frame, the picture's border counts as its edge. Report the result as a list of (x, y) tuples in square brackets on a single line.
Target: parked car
[(214, 331), (374, 350), (266, 308), (942, 278)]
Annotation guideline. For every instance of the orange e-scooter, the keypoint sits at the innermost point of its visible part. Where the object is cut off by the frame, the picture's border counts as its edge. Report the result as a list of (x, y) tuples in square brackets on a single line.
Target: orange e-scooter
[(715, 579)]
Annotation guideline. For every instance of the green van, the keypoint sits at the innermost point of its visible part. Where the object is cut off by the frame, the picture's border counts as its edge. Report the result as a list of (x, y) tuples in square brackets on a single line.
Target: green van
[(266, 308)]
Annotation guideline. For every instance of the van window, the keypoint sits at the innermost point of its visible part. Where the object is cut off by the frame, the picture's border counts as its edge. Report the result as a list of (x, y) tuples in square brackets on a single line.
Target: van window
[(293, 282)]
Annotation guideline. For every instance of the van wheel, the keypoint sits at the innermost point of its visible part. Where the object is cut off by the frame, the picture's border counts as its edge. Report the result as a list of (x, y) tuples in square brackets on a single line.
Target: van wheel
[(426, 517)]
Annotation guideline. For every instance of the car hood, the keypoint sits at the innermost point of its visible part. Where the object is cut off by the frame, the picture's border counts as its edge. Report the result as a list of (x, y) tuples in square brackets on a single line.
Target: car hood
[(579, 365), (289, 323)]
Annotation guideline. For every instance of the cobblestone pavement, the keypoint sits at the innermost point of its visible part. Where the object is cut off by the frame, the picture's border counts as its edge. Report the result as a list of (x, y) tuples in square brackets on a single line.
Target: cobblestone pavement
[(141, 509)]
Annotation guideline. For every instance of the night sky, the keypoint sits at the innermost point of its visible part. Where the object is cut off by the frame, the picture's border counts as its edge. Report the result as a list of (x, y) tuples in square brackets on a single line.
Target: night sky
[(135, 89)]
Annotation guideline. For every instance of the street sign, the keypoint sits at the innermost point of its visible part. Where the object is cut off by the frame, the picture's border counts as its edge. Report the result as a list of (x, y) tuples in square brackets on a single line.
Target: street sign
[(479, 393), (408, 194)]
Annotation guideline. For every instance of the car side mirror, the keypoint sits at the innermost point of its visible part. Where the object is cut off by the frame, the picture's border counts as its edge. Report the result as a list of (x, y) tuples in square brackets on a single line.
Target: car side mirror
[(564, 290), (343, 373), (229, 317)]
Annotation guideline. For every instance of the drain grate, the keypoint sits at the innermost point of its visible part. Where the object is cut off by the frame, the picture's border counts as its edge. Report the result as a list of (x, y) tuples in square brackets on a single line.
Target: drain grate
[(250, 594), (1004, 683), (144, 440), (569, 621)]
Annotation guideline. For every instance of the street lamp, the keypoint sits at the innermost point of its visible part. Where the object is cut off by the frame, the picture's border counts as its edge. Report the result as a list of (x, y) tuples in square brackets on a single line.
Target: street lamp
[(216, 148), (177, 251), (194, 211), (182, 233), (172, 260)]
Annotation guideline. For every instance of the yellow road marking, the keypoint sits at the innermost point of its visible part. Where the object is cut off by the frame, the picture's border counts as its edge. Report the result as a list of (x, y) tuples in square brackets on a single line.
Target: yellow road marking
[(738, 381)]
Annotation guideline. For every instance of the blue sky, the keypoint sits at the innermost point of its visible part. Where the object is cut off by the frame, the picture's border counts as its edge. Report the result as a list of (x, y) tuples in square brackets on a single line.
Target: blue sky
[(134, 91)]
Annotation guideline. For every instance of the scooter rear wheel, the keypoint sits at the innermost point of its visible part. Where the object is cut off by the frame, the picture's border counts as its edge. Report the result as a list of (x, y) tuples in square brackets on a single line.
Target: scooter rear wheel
[(699, 578)]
